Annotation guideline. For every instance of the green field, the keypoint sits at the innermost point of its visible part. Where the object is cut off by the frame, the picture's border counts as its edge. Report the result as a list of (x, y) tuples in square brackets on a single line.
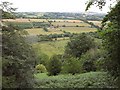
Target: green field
[(78, 29), (51, 47), (37, 31), (33, 26), (85, 80), (70, 24)]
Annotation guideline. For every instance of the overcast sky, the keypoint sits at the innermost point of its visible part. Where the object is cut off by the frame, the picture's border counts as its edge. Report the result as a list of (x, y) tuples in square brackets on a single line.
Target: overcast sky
[(55, 6)]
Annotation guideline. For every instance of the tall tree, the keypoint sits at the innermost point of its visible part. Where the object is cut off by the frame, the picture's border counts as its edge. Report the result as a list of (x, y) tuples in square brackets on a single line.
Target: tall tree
[(18, 59), (78, 45), (111, 37)]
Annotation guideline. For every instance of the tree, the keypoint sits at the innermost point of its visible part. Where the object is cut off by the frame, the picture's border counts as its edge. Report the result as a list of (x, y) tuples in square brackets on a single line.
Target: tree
[(99, 3), (78, 45), (54, 65), (111, 41), (18, 59), (7, 10), (110, 35)]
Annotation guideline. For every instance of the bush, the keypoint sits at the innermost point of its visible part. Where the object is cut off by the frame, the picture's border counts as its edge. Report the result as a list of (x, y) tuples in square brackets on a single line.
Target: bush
[(63, 25), (54, 65), (91, 60), (71, 65), (85, 80), (89, 66), (41, 68), (45, 29), (100, 64), (42, 59), (77, 25)]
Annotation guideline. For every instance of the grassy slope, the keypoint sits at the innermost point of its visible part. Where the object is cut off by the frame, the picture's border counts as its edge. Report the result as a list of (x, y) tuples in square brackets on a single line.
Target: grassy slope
[(51, 48), (85, 80)]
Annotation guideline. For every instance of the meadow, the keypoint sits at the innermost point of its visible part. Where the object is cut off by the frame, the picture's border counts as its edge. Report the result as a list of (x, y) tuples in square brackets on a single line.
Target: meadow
[(51, 48), (38, 31)]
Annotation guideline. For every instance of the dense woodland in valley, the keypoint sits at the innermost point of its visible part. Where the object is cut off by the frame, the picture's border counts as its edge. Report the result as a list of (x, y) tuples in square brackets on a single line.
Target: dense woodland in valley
[(60, 50)]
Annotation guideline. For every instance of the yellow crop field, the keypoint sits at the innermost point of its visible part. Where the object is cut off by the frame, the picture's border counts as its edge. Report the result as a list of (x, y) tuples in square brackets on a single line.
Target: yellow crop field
[(24, 20), (96, 22)]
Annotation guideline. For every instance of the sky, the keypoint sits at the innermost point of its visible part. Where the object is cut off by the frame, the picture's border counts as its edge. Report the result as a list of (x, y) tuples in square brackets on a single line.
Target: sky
[(55, 6)]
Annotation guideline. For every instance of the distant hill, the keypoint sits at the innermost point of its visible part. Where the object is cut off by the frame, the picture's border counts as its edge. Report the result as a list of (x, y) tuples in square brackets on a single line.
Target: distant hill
[(61, 15)]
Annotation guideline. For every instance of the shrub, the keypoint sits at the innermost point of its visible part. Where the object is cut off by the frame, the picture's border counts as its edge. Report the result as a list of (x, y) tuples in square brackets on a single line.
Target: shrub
[(71, 65), (43, 59), (100, 64), (77, 25), (89, 66), (91, 60), (63, 25), (54, 65), (40, 68), (45, 29)]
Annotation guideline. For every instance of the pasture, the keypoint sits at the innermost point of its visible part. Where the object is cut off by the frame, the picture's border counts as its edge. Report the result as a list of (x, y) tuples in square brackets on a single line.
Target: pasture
[(51, 47), (38, 31), (70, 24), (78, 29), (57, 26)]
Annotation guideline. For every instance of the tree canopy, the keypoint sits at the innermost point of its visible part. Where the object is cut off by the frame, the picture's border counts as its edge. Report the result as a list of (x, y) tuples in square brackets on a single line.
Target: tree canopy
[(18, 58)]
